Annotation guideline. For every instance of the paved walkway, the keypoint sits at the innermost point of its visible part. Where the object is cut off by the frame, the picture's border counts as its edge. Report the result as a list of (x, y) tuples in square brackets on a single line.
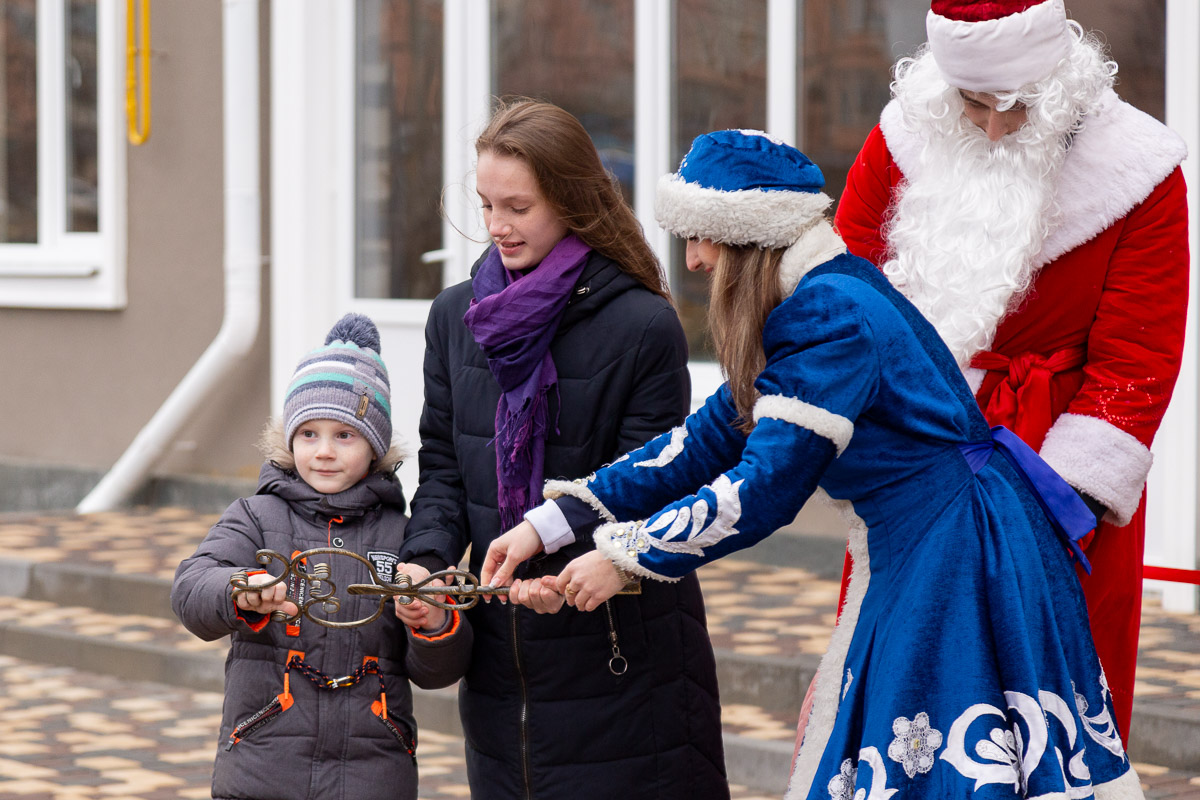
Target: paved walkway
[(72, 733)]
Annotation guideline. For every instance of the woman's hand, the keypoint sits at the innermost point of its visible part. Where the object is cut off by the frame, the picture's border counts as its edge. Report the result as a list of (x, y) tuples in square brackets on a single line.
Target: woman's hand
[(418, 615), (509, 551), (588, 581), (540, 594)]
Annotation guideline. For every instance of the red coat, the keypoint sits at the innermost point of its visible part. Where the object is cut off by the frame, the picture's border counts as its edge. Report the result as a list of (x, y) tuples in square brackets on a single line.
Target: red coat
[(1084, 368)]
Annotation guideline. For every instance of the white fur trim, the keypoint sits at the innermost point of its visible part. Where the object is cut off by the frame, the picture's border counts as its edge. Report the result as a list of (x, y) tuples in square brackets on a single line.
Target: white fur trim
[(1000, 55), (833, 427), (1114, 163), (974, 377), (750, 216), (815, 246), (1126, 787), (1100, 459), (578, 489), (827, 689), (617, 554)]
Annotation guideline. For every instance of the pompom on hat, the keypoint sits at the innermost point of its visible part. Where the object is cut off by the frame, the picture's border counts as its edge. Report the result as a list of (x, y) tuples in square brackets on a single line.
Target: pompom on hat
[(742, 187), (346, 380), (997, 45)]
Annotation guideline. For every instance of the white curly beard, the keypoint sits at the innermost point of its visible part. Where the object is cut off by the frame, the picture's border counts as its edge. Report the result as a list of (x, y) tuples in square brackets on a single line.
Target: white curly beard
[(967, 226)]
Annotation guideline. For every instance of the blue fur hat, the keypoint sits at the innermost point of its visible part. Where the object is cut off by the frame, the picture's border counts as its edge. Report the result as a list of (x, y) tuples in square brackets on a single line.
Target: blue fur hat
[(345, 380), (742, 187)]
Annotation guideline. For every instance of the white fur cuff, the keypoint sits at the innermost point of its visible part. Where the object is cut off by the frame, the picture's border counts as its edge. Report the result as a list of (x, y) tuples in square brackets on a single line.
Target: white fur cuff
[(578, 489), (833, 427), (1003, 54), (611, 540), (1100, 459)]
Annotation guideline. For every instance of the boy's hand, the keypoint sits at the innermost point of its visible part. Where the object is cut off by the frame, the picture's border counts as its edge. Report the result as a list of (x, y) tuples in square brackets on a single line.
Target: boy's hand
[(264, 601), (417, 614)]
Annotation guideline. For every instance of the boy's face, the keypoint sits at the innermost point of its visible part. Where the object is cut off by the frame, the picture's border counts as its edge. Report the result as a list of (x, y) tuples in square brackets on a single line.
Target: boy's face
[(331, 456)]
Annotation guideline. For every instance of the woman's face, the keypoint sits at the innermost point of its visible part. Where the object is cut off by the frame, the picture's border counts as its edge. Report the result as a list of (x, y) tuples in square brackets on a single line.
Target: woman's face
[(519, 219), (701, 255)]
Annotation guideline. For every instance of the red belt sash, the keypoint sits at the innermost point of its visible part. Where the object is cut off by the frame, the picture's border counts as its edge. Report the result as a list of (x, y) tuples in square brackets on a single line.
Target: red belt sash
[(1021, 402)]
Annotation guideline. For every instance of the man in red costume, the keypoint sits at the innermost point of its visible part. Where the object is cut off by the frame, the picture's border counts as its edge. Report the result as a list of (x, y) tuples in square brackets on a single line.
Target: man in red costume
[(1040, 223)]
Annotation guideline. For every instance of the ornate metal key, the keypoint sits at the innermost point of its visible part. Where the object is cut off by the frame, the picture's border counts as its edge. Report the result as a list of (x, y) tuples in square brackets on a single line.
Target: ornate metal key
[(462, 586)]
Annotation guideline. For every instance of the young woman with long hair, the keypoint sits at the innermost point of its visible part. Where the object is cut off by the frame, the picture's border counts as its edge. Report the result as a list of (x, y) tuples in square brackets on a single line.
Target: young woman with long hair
[(560, 353), (961, 665)]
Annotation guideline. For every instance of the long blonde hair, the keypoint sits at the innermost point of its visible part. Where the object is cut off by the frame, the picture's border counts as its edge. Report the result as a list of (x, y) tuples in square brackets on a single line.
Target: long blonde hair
[(573, 180), (745, 290)]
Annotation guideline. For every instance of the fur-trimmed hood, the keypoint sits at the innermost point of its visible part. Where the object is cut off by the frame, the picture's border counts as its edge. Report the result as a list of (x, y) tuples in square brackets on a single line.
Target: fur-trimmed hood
[(273, 445)]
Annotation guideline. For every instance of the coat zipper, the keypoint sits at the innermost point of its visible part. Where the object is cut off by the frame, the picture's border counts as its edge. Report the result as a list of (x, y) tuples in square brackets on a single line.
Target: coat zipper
[(524, 715)]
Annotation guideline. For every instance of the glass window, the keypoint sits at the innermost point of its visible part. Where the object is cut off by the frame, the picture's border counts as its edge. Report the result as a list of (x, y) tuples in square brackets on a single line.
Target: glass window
[(1136, 35), (62, 182), (398, 144), (82, 156), (18, 122), (721, 82), (577, 54), (849, 46), (848, 50)]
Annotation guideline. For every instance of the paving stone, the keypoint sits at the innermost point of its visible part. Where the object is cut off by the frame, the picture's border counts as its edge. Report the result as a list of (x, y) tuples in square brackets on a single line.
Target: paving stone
[(76, 734)]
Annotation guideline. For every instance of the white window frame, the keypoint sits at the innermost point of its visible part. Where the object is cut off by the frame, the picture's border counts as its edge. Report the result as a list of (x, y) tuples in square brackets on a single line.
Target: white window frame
[(74, 270), (1172, 518)]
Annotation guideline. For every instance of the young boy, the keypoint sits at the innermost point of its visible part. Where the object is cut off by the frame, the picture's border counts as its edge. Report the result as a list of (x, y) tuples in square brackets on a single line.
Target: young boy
[(311, 711)]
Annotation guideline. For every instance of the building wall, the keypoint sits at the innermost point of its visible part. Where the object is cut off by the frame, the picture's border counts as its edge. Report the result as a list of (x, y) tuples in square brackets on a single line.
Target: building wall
[(80, 384)]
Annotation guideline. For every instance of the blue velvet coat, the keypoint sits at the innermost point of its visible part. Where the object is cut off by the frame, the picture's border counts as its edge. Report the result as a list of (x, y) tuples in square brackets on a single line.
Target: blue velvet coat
[(962, 665)]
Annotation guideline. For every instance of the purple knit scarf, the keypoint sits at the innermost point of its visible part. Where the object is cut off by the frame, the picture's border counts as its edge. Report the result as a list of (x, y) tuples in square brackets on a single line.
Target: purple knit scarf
[(513, 319)]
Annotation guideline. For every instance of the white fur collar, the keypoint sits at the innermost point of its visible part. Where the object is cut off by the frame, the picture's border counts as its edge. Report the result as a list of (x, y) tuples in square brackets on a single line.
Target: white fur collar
[(1113, 164), (815, 246)]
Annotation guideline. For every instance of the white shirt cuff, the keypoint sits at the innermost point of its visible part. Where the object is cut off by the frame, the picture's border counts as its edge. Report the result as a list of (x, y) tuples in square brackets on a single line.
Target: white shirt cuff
[(551, 525)]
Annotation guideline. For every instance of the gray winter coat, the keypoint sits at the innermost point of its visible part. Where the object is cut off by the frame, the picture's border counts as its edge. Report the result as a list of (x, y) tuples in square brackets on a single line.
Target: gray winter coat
[(327, 743)]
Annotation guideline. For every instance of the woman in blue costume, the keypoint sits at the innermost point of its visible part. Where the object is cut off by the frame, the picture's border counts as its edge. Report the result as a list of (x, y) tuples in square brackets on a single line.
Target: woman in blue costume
[(962, 665)]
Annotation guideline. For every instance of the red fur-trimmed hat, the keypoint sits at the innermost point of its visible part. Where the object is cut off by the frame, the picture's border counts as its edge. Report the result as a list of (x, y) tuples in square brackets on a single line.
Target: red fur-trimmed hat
[(997, 45)]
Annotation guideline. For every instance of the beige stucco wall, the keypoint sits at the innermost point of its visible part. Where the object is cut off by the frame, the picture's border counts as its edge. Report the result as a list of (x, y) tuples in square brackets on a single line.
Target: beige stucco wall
[(79, 385)]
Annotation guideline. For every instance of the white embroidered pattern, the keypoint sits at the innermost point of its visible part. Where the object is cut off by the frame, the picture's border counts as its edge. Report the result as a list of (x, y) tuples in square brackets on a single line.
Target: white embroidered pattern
[(878, 790), (635, 538), (722, 526), (1008, 759), (849, 680), (915, 744), (1057, 708), (1100, 727), (668, 453), (841, 786)]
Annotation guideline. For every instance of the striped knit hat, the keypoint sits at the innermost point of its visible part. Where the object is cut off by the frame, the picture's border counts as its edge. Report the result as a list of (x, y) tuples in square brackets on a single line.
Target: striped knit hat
[(345, 380)]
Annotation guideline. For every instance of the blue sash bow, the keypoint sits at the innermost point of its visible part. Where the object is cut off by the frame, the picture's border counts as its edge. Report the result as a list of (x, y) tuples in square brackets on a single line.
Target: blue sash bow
[(1068, 514)]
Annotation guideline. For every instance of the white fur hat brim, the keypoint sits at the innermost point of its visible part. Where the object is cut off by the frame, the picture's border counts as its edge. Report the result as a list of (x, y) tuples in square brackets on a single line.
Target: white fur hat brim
[(748, 216), (1000, 55)]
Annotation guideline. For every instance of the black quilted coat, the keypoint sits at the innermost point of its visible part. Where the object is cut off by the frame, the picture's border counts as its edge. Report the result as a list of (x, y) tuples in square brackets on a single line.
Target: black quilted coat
[(544, 716)]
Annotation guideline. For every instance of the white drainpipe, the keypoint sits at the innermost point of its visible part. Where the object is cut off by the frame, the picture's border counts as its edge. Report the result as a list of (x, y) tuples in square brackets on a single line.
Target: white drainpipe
[(243, 263)]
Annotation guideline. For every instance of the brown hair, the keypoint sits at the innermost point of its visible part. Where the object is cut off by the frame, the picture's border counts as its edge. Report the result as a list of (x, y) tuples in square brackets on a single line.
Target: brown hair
[(573, 180), (745, 290)]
